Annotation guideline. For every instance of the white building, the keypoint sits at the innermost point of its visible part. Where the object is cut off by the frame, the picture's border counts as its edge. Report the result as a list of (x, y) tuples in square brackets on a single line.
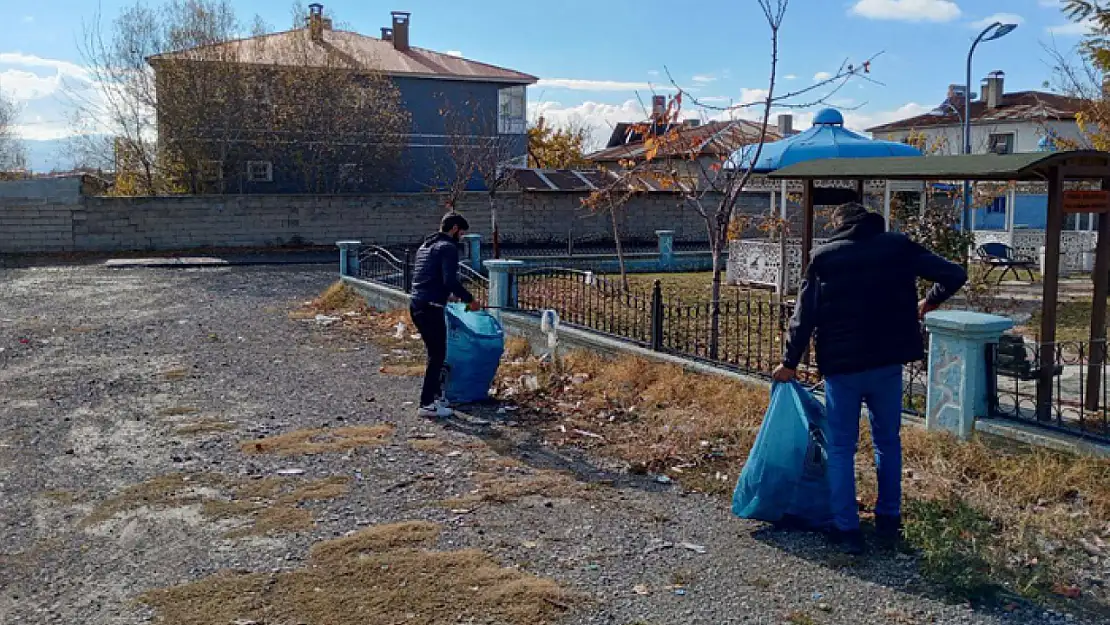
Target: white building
[(1005, 123)]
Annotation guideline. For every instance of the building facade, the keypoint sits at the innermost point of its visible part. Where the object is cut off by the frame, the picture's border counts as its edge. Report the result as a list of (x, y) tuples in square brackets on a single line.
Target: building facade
[(319, 110)]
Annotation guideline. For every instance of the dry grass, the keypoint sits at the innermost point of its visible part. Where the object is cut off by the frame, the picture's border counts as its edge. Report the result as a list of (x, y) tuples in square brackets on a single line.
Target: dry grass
[(173, 375), (320, 441), (513, 484), (338, 298), (269, 505), (204, 426), (429, 446), (319, 490), (177, 411), (517, 348), (375, 577)]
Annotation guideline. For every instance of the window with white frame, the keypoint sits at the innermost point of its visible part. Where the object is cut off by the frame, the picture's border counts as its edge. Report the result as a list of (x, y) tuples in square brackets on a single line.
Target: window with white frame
[(512, 114), (260, 171), (1002, 143)]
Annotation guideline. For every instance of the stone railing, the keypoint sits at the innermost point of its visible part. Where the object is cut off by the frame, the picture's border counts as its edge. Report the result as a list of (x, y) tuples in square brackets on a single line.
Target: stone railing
[(757, 262)]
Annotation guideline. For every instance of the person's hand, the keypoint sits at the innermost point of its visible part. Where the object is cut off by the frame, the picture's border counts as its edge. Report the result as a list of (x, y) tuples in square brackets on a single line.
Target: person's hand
[(924, 308), (474, 306), (784, 374)]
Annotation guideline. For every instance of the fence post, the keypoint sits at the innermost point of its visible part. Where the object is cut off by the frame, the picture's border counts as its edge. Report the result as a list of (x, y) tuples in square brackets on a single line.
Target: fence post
[(666, 249), (957, 386), (502, 293), (348, 257), (473, 243), (657, 317), (406, 272)]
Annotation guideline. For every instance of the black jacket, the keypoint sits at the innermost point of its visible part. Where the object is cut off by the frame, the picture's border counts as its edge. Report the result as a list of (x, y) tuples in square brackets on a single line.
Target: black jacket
[(435, 276), (860, 298)]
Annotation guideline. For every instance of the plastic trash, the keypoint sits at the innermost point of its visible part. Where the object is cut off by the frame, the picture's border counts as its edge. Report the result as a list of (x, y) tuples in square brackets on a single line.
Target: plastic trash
[(475, 342), (785, 479)]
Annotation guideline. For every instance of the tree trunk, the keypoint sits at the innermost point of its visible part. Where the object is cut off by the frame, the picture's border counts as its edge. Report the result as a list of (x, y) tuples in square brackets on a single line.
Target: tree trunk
[(620, 248), (717, 243), (493, 225)]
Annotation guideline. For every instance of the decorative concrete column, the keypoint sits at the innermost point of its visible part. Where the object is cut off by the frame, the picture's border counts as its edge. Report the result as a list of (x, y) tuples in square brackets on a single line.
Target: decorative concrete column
[(473, 243), (348, 257), (957, 387), (666, 248), (502, 290)]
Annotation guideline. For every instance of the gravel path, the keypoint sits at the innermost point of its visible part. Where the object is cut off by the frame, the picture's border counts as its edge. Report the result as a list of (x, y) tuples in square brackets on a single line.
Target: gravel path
[(100, 368)]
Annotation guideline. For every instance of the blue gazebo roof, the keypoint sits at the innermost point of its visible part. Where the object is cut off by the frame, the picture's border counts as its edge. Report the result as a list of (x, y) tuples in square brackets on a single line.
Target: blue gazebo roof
[(827, 138)]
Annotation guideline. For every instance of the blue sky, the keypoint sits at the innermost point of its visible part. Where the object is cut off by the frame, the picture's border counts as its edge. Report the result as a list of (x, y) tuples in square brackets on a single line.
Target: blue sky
[(595, 56)]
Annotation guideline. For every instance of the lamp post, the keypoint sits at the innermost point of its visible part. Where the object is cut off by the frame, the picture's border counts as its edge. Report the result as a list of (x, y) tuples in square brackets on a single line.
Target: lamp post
[(990, 33)]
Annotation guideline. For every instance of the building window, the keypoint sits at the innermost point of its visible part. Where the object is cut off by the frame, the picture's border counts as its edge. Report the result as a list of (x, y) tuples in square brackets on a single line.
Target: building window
[(511, 107), (260, 171), (349, 174), (211, 171), (998, 205), (1002, 143)]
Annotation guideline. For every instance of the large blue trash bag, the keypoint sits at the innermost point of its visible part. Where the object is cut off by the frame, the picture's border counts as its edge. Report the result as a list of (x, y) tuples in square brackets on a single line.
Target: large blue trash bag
[(475, 342), (785, 480)]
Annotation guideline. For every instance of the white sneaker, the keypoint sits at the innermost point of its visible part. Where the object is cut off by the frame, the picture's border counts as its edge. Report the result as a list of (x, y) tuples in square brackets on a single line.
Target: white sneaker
[(443, 403), (434, 411)]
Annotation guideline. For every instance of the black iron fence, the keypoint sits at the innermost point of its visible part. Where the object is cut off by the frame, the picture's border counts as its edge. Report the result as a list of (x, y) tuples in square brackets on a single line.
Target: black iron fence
[(395, 269), (1061, 386)]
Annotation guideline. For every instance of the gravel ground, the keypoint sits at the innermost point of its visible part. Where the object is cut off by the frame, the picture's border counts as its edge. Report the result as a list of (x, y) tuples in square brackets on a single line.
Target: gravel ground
[(99, 368)]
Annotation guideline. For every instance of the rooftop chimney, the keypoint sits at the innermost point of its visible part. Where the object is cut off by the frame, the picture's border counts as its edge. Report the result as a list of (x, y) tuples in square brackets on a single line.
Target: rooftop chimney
[(995, 82), (984, 90), (387, 34), (658, 107), (956, 93), (786, 125), (316, 21), (401, 30)]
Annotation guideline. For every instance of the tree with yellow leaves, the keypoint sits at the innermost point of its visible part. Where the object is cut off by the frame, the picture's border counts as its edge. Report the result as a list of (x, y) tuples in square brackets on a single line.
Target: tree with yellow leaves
[(557, 147)]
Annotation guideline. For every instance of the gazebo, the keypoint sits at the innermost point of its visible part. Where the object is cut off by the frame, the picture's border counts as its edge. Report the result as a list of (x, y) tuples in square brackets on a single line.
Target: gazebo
[(826, 139), (1055, 168)]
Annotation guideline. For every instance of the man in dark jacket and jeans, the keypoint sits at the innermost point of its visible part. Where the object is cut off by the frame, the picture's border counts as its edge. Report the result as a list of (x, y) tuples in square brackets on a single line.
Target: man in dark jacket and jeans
[(435, 279), (859, 297)]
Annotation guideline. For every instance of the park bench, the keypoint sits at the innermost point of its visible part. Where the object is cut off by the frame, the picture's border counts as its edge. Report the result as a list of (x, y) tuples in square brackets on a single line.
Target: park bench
[(1000, 255), (1012, 360)]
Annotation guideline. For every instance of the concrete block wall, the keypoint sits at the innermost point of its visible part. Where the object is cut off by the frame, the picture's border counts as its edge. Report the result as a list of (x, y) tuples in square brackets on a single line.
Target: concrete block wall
[(53, 215)]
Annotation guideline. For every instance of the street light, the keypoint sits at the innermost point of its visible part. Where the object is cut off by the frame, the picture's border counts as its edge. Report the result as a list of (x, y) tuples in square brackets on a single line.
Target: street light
[(996, 30)]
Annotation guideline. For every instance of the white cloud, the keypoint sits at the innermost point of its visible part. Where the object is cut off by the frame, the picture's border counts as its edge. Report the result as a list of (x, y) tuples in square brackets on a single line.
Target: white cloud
[(1005, 18), (821, 76), (453, 53), (702, 79), (790, 77), (907, 10), (576, 84), (653, 72), (40, 87), (1071, 29)]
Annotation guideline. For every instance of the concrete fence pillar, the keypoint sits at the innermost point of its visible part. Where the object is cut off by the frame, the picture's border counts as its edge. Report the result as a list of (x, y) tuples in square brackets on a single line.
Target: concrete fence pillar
[(502, 291), (348, 257), (473, 243), (666, 248), (957, 385)]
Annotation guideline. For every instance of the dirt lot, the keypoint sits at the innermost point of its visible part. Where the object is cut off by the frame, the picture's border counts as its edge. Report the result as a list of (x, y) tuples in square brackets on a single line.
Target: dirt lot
[(174, 447)]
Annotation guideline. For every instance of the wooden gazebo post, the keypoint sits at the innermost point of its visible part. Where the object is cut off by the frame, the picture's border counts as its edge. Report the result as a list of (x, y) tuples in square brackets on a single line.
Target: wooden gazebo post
[(807, 225), (1101, 278), (1047, 347)]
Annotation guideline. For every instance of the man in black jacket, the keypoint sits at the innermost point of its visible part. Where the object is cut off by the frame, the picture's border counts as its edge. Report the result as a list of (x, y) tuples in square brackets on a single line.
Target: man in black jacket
[(859, 297), (435, 279)]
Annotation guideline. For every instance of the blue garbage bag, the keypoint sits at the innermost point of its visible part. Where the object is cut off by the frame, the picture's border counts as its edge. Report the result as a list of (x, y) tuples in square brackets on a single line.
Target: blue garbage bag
[(785, 479), (475, 342)]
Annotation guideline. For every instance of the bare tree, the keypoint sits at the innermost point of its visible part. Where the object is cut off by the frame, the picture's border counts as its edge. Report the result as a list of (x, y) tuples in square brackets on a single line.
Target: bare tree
[(12, 151), (711, 188)]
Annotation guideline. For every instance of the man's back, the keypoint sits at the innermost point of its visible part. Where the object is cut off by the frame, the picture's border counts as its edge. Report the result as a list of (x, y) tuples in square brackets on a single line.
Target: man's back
[(860, 297)]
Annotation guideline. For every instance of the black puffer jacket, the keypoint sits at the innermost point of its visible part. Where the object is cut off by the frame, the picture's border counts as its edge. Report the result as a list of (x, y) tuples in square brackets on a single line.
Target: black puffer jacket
[(860, 298), (435, 276)]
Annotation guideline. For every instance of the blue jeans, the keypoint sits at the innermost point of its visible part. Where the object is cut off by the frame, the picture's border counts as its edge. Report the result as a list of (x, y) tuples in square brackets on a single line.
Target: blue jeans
[(845, 395)]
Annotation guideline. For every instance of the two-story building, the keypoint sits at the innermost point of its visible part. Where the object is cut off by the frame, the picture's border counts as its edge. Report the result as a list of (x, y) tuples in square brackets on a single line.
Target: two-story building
[(313, 142)]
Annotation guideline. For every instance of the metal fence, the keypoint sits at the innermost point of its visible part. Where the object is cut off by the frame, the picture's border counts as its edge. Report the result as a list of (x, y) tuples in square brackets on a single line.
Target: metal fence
[(750, 326), (1061, 386), (395, 270)]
